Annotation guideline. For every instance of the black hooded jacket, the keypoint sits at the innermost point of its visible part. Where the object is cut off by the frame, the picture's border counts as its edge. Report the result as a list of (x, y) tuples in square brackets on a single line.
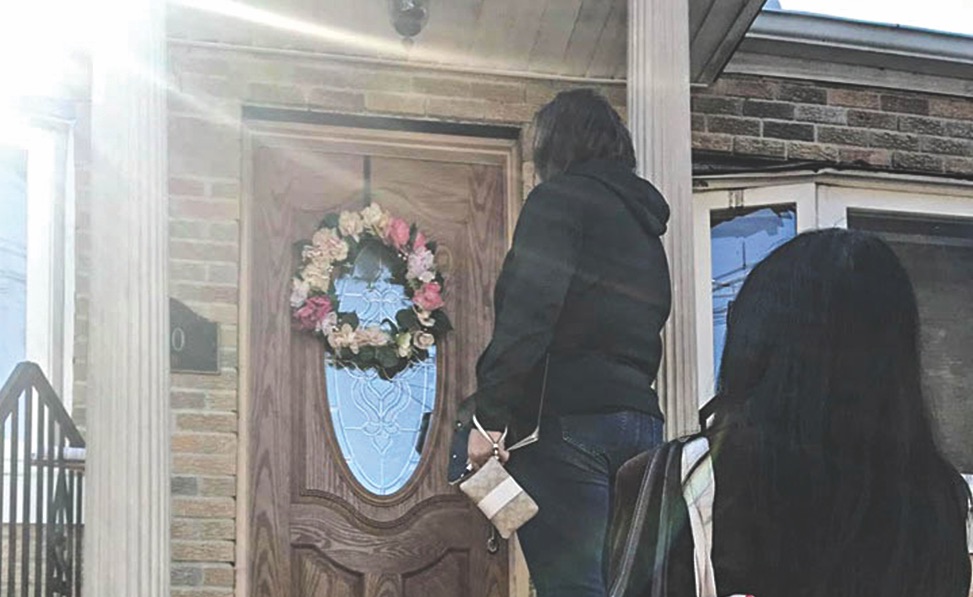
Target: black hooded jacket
[(587, 283)]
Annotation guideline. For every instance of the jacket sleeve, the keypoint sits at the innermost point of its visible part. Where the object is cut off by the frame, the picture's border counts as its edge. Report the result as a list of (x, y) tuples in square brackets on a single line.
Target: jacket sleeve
[(529, 295)]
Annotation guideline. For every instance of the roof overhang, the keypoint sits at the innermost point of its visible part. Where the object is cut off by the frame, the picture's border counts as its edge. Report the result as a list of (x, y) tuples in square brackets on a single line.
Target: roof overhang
[(821, 48), (716, 29)]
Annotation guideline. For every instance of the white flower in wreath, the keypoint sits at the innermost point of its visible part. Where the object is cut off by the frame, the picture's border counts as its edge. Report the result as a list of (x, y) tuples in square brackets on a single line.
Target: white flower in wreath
[(328, 324), (351, 224), (376, 219), (420, 266), (403, 344), (344, 337), (425, 317), (316, 255), (372, 336), (424, 340), (317, 278), (299, 290), (331, 244)]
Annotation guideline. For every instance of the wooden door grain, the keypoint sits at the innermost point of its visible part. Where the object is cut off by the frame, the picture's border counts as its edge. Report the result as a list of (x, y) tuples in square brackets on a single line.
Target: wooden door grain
[(314, 530)]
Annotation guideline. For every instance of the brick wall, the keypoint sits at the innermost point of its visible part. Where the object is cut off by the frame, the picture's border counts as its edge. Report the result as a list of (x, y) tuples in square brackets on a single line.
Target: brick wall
[(784, 120), (209, 88)]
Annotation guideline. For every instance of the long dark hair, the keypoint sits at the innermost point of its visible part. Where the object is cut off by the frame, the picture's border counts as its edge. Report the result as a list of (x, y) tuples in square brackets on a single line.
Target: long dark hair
[(578, 126), (821, 377)]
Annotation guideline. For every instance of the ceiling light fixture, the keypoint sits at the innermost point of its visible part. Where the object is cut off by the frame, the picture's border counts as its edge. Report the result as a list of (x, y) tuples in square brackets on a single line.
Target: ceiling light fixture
[(408, 17)]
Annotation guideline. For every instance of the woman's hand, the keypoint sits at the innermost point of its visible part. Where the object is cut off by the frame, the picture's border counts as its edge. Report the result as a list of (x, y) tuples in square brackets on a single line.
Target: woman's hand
[(479, 449)]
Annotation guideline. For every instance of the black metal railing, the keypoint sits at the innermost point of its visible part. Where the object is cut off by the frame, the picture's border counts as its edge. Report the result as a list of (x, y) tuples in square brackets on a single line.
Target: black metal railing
[(41, 490)]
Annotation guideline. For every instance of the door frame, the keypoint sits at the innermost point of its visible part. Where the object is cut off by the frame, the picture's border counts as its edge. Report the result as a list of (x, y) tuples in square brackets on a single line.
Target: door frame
[(450, 147)]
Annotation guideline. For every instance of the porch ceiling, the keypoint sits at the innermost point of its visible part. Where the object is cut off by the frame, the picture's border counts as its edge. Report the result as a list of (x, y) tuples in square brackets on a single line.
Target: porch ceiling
[(566, 38)]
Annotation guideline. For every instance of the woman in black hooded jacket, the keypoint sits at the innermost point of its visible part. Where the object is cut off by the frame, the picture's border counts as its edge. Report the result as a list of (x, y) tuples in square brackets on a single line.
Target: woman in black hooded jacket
[(580, 302)]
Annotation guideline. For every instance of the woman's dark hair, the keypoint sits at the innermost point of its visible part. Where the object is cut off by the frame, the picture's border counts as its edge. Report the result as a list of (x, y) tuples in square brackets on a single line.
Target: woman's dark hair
[(578, 126), (821, 377)]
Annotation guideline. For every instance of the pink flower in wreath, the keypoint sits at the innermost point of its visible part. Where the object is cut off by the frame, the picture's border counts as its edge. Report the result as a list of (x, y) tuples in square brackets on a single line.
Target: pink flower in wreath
[(315, 310), (429, 297), (398, 233), (419, 266)]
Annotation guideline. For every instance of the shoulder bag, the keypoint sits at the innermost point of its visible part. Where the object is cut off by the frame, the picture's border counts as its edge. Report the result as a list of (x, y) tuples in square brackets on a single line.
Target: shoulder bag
[(679, 470)]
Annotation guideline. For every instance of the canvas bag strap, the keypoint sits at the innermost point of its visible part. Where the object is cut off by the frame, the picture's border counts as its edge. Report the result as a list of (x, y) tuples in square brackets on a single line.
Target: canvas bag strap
[(699, 490)]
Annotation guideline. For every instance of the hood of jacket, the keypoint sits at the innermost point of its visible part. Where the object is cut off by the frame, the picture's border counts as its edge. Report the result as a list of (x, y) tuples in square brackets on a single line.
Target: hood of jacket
[(644, 202)]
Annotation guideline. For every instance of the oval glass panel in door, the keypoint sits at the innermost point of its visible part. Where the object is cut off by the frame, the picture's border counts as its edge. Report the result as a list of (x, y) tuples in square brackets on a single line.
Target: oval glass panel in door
[(378, 422)]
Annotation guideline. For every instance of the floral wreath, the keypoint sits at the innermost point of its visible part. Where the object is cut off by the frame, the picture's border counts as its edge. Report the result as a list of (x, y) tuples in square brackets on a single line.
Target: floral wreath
[(392, 346)]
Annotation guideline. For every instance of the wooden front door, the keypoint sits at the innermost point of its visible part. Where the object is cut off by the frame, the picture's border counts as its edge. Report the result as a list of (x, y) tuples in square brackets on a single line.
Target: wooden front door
[(325, 521)]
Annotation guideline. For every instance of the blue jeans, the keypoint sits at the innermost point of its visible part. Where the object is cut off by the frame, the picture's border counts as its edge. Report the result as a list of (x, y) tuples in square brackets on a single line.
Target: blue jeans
[(570, 473)]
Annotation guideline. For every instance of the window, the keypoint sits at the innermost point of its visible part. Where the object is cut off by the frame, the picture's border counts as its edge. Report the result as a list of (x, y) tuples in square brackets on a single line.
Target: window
[(378, 423), (933, 236), (13, 258), (734, 230), (928, 224), (36, 273), (36, 252)]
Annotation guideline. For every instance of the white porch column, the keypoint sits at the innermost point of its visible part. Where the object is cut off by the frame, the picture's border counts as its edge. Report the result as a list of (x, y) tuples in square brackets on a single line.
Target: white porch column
[(659, 116), (127, 500)]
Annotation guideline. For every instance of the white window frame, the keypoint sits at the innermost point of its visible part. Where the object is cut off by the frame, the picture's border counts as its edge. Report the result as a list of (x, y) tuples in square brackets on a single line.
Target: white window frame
[(823, 200), (800, 194), (50, 265), (50, 246), (835, 201)]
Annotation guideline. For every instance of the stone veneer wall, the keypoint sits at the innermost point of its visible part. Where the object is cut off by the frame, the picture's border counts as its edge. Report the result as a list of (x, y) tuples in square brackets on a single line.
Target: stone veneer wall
[(787, 120)]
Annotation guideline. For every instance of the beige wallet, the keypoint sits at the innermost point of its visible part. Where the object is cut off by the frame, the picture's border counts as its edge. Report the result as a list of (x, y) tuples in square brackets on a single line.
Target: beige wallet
[(498, 495)]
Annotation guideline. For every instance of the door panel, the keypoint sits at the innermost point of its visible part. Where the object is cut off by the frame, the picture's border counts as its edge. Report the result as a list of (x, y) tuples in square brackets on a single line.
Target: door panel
[(315, 529)]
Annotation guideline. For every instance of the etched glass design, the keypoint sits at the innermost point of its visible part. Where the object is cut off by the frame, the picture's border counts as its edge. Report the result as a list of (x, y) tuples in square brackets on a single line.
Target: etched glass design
[(13, 259), (378, 422), (740, 239)]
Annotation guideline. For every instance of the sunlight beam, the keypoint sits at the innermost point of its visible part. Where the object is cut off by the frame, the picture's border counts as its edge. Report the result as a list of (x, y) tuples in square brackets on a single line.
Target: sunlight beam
[(258, 16)]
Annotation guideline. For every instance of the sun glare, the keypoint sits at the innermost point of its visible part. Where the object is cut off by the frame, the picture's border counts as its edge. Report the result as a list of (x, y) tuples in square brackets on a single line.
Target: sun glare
[(266, 18)]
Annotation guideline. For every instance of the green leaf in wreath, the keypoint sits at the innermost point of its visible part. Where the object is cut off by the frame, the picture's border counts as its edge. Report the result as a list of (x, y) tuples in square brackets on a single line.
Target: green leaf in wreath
[(407, 319), (368, 262), (366, 354), (297, 253), (353, 247), (387, 357), (349, 318), (441, 324), (387, 373), (330, 221), (390, 326)]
